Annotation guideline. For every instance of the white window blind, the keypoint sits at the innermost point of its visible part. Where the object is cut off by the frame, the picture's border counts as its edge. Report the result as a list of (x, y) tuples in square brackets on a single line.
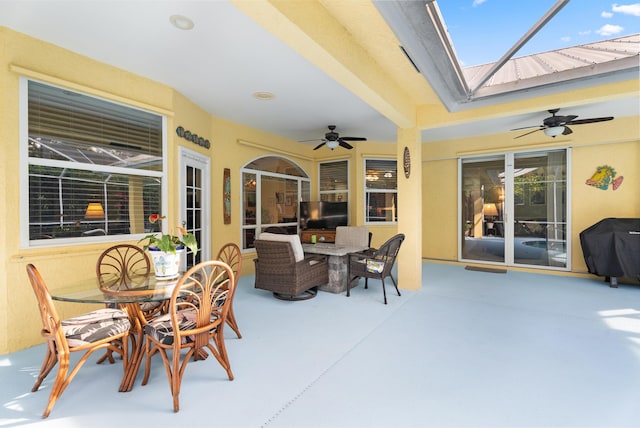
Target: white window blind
[(381, 190), (334, 181), (95, 167)]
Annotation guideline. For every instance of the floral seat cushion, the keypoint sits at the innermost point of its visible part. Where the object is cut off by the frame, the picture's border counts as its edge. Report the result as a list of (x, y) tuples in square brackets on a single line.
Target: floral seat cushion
[(161, 330), (94, 326)]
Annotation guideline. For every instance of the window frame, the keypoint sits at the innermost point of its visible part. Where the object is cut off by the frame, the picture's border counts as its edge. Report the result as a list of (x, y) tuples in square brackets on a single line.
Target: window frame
[(256, 201), (346, 191), (367, 191), (26, 162)]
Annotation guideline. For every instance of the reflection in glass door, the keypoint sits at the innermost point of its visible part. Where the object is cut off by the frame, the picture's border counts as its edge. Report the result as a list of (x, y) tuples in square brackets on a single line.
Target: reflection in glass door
[(514, 209), (483, 234), (540, 208)]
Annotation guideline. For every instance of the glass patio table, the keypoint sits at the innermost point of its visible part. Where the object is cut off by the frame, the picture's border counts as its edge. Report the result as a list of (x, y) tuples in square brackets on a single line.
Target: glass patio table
[(127, 292)]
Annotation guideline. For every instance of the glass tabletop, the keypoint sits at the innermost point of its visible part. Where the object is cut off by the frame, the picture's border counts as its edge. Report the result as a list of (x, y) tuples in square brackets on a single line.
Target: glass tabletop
[(111, 288)]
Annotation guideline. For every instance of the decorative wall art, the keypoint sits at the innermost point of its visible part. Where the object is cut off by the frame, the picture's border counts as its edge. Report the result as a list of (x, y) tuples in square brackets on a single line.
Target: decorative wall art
[(194, 138), (226, 196), (407, 162), (604, 177)]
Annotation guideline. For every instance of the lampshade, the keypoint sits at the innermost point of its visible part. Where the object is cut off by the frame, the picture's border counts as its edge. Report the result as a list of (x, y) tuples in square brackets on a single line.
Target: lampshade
[(490, 210), (332, 144), (94, 211), (554, 131)]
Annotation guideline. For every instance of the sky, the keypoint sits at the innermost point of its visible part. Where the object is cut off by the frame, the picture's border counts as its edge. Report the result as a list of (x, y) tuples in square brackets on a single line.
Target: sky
[(484, 30)]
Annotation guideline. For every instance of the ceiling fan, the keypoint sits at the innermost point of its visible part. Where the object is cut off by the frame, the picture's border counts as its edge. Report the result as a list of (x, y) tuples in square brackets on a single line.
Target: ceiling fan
[(556, 125), (332, 139)]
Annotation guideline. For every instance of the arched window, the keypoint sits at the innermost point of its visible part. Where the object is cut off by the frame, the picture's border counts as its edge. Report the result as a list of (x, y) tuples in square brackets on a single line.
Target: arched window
[(272, 188)]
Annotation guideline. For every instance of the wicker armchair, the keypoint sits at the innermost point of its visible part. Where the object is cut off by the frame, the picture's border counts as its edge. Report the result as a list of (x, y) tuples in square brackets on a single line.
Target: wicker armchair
[(376, 264), (282, 268)]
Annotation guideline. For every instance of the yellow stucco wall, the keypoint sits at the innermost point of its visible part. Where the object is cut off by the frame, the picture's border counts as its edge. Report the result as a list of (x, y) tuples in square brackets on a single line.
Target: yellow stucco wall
[(615, 143), (23, 55), (234, 145)]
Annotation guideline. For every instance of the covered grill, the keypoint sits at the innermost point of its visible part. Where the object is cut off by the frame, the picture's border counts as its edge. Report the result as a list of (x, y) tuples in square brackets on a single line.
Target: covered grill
[(611, 248)]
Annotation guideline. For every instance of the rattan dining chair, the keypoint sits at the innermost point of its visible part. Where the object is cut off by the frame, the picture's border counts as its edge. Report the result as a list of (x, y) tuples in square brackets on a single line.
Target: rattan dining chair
[(127, 261), (198, 309), (231, 255), (85, 333), (124, 260)]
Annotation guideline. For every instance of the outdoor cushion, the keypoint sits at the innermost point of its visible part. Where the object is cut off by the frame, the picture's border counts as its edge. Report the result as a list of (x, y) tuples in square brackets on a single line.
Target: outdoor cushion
[(352, 236), (160, 328), (94, 326), (294, 240)]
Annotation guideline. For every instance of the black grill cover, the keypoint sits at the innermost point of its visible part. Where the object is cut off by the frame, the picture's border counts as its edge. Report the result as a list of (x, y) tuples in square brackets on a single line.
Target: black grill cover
[(611, 247)]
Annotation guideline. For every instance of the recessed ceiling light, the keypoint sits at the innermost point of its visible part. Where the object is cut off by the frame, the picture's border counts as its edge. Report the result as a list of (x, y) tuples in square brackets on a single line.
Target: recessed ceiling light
[(181, 22), (263, 95)]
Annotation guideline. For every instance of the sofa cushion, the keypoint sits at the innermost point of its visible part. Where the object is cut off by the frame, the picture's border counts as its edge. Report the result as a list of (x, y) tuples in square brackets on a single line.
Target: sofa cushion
[(352, 236), (294, 240)]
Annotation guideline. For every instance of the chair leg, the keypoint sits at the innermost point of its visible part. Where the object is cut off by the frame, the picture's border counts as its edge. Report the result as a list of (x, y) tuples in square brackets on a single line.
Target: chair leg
[(176, 378), (221, 355), (366, 282), (231, 321), (108, 355), (50, 360), (384, 291), (395, 284), (58, 387)]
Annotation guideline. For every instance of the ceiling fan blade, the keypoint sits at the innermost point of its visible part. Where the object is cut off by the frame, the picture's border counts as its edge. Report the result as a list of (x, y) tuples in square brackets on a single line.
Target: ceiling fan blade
[(526, 127), (308, 141), (592, 120), (319, 145), (531, 132), (353, 139), (567, 131), (567, 119), (344, 144)]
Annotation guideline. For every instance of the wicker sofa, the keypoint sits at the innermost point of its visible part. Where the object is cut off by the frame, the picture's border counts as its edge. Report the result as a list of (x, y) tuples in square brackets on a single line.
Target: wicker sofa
[(282, 268)]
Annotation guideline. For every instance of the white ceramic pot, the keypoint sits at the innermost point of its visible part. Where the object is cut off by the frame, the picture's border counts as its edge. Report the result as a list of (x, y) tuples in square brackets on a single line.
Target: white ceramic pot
[(166, 265)]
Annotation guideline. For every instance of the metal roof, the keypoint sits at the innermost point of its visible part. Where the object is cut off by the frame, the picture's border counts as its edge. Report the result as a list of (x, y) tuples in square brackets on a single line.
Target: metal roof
[(557, 65)]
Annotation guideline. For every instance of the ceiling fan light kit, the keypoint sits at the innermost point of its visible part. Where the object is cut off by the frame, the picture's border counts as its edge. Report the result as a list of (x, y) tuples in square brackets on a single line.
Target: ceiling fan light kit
[(554, 131), (333, 144), (332, 140), (557, 125)]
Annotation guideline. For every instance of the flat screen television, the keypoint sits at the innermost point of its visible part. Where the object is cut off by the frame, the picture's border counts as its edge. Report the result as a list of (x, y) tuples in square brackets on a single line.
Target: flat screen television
[(323, 214)]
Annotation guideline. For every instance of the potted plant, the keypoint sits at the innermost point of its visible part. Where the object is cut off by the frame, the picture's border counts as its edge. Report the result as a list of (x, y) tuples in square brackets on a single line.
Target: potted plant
[(166, 249)]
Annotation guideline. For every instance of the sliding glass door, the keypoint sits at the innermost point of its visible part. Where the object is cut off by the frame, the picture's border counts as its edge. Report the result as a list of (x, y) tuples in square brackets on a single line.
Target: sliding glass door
[(483, 234), (514, 209)]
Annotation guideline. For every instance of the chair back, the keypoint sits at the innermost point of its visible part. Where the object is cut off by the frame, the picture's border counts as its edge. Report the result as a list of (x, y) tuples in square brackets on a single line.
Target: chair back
[(293, 242), (274, 254), (51, 326), (124, 261), (389, 251), (230, 254), (200, 302)]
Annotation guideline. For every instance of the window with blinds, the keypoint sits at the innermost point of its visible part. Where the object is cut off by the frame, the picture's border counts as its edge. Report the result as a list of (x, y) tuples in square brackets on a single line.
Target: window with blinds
[(381, 190), (334, 181), (94, 166)]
